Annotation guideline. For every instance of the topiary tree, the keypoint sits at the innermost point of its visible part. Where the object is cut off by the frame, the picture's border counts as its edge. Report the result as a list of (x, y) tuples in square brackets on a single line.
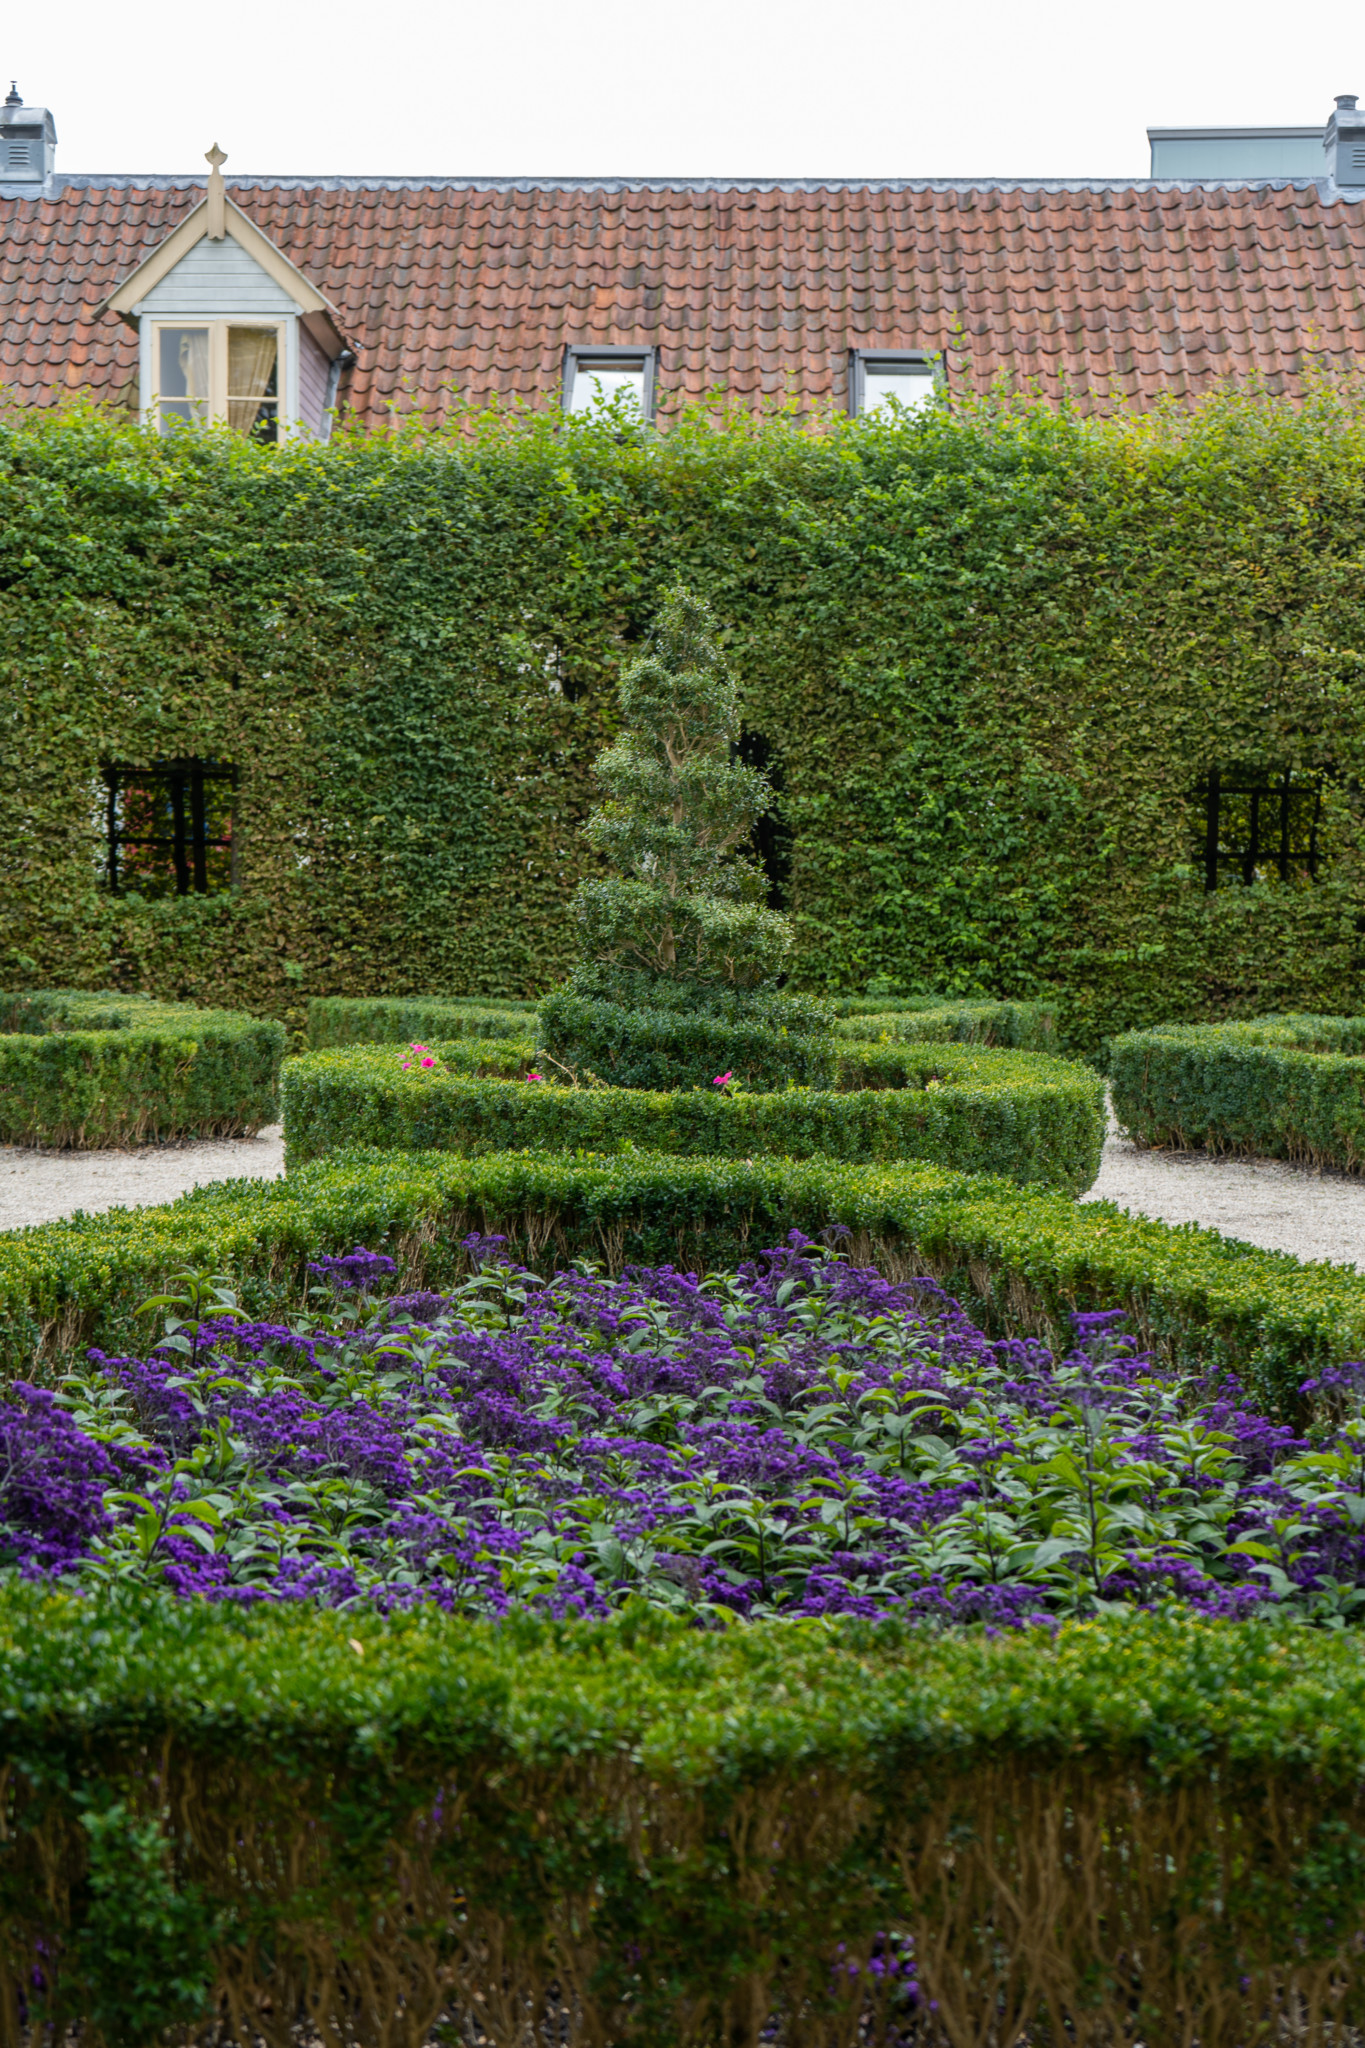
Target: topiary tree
[(677, 946), (686, 903)]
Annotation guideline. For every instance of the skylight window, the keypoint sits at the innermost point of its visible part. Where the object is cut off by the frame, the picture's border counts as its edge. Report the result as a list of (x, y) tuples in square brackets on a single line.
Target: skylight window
[(595, 377), (901, 379)]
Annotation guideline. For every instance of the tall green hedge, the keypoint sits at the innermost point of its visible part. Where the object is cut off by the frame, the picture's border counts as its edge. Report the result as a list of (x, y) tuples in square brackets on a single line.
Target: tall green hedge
[(986, 656), (1281, 1087), (1025, 1257), (1022, 1115), (219, 1820), (99, 1069)]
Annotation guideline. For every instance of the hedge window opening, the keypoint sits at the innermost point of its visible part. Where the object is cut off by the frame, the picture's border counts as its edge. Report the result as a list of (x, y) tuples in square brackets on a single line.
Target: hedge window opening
[(169, 828), (1257, 826)]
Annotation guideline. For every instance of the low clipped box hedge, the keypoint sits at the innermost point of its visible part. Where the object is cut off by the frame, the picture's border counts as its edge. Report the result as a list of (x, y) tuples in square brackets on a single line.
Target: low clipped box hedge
[(1289, 1087), (634, 1030), (642, 1833), (398, 1020), (92, 1069), (1028, 1027), (1018, 1114), (1024, 1258)]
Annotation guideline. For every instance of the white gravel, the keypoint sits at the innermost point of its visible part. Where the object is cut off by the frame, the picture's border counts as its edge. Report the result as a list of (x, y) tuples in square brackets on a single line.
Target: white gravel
[(1264, 1201), (1287, 1208), (37, 1187)]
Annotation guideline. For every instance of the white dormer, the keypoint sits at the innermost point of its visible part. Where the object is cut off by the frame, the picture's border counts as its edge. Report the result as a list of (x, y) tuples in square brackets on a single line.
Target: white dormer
[(231, 332)]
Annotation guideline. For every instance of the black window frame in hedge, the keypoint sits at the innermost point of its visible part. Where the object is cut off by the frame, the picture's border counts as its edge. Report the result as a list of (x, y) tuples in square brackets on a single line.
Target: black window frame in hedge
[(1275, 808), (186, 783)]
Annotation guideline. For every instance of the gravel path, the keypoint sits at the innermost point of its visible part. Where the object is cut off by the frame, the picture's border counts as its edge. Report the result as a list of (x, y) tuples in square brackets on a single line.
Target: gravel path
[(1315, 1216), (36, 1187), (1285, 1208)]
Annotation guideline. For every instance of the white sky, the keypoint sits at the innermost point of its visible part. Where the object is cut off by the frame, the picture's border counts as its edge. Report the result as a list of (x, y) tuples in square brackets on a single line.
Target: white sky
[(743, 87)]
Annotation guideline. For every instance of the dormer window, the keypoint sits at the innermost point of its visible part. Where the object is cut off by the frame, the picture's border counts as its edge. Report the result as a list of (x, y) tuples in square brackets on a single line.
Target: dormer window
[(215, 372), (231, 332), (885, 380), (593, 377)]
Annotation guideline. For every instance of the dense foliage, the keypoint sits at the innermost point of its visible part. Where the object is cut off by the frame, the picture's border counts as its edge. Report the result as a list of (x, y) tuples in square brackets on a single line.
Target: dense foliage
[(636, 1030), (799, 1436), (1026, 1259), (1278, 1087), (104, 1069), (986, 656), (643, 1832), (395, 1020), (685, 903), (1026, 1116), (1032, 1027)]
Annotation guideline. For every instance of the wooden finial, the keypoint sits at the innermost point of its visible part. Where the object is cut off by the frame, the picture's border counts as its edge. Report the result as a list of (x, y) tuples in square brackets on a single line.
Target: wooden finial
[(215, 158)]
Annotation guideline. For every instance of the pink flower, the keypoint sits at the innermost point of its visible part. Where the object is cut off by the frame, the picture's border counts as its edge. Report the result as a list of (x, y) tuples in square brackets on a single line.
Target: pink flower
[(428, 1061), (535, 1077), (722, 1080)]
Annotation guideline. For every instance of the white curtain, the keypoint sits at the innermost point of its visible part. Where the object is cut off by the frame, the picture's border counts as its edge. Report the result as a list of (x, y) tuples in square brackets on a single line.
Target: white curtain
[(251, 361), (194, 362)]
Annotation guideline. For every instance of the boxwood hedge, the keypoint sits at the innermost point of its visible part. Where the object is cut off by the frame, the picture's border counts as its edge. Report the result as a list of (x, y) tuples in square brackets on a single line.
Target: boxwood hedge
[(90, 1069), (1289, 1087), (641, 1833), (1023, 1115), (1023, 1258), (1032, 1027), (397, 1020), (636, 1030)]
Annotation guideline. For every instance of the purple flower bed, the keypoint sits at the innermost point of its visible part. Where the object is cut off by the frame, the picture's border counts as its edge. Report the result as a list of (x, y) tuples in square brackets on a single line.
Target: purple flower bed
[(799, 1437)]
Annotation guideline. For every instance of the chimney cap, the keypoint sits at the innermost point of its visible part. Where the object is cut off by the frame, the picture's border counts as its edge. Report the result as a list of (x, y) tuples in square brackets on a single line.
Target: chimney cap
[(1346, 101), (13, 97)]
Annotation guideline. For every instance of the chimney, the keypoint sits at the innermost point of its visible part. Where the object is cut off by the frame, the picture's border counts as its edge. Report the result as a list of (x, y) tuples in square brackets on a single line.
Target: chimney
[(1343, 141), (28, 142)]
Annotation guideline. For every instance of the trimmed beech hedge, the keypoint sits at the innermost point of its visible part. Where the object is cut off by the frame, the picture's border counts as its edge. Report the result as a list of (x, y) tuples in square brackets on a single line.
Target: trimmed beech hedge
[(1030, 1027), (397, 1020), (1024, 1259), (642, 1833), (1288, 1087), (1018, 1114), (87, 1070)]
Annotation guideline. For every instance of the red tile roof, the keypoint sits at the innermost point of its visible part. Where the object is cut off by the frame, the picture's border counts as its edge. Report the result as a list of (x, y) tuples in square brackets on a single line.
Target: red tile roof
[(1120, 291)]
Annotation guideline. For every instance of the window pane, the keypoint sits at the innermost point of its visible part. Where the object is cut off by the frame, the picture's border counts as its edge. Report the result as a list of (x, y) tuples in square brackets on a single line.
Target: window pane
[(145, 835), (253, 381), (908, 384), (169, 828), (598, 383), (183, 376)]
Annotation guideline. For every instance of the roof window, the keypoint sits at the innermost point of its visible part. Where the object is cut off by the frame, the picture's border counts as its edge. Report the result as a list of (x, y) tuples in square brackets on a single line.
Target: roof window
[(881, 380), (596, 377)]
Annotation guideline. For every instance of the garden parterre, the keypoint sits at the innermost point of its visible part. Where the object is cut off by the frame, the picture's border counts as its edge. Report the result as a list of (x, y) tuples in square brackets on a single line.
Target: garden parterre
[(801, 1436), (1028, 1116), (1025, 1257)]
